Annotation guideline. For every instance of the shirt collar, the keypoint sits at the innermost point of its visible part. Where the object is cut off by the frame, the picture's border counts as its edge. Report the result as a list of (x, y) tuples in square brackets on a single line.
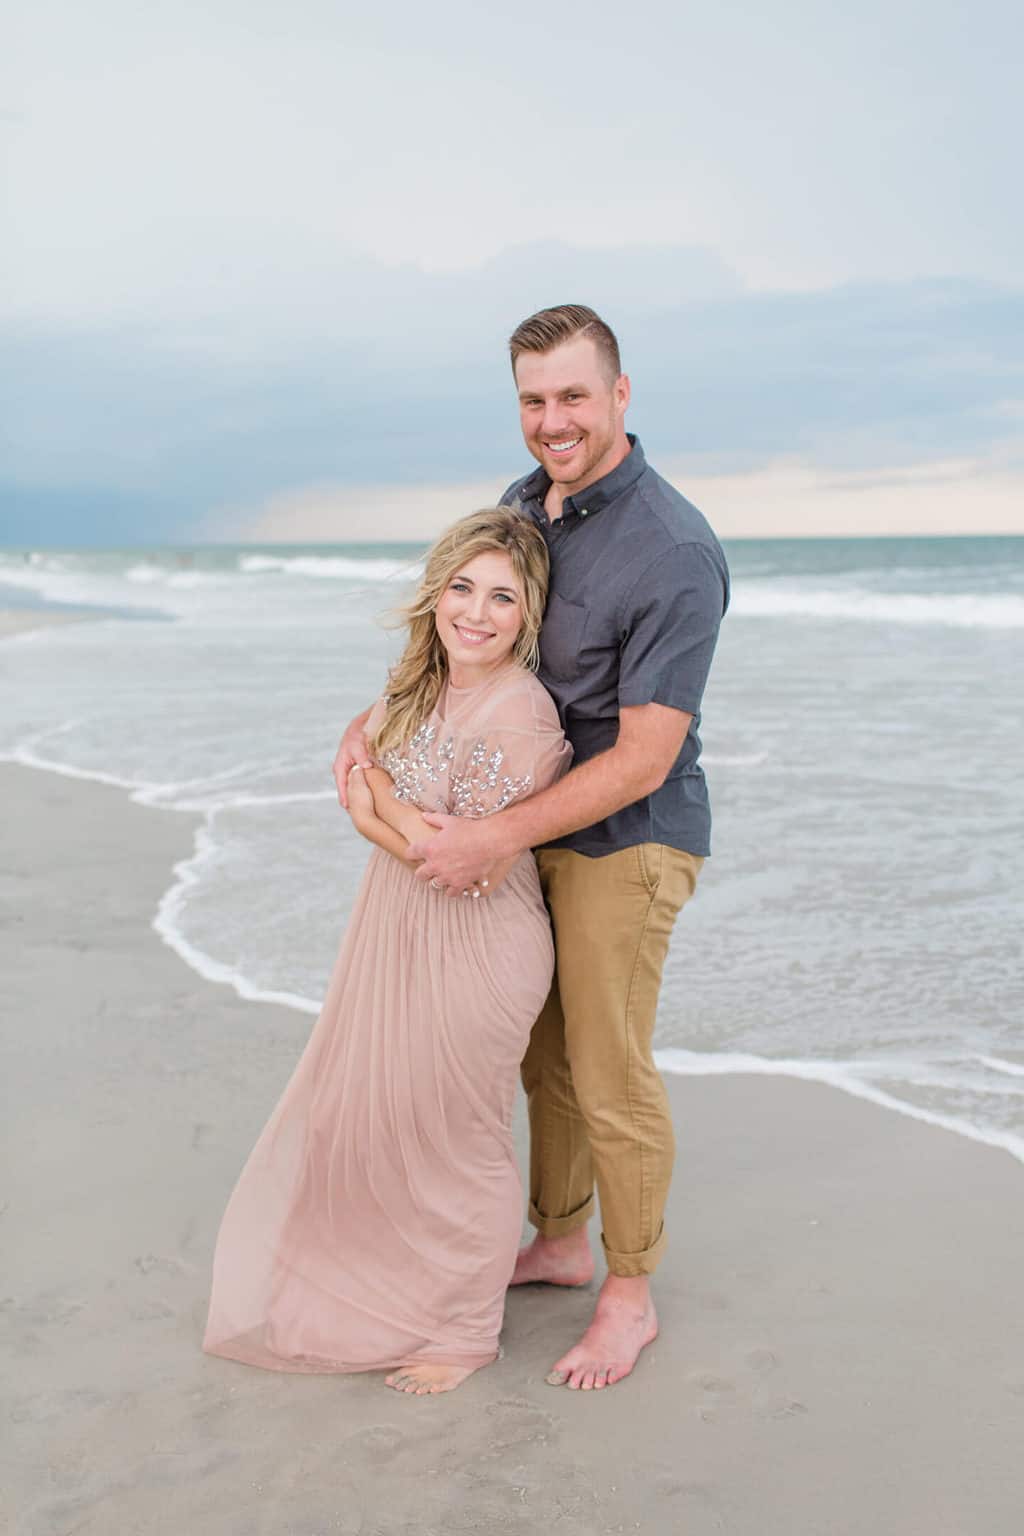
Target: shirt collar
[(598, 495)]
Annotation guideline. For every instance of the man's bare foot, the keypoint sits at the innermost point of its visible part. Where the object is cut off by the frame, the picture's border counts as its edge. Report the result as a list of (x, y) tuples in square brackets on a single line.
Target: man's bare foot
[(624, 1323), (425, 1379), (555, 1260)]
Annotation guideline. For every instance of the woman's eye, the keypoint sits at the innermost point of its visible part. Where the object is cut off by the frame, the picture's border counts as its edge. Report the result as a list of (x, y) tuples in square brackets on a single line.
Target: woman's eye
[(503, 597), (459, 586)]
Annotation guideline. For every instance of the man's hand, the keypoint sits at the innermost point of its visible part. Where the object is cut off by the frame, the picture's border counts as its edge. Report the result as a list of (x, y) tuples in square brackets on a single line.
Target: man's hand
[(462, 855), (352, 753)]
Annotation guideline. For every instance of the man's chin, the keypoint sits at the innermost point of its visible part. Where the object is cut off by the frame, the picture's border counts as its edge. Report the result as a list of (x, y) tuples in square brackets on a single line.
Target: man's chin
[(564, 474)]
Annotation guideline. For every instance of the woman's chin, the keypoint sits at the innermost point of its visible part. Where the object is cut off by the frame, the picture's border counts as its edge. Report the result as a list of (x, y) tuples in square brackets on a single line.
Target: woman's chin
[(479, 663)]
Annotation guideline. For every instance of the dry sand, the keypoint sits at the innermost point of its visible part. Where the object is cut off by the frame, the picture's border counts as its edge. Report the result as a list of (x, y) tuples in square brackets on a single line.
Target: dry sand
[(842, 1342)]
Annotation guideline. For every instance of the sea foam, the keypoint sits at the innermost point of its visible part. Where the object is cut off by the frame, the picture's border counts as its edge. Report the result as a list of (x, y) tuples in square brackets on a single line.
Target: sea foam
[(955, 610)]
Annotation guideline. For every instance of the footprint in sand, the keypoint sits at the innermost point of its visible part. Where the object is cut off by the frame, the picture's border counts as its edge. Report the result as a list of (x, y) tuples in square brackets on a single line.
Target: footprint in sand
[(147, 1263), (785, 1410), (377, 1443), (720, 1386), (762, 1361), (516, 1422)]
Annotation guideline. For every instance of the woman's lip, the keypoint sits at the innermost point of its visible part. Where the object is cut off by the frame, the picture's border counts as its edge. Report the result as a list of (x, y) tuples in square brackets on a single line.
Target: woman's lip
[(473, 636)]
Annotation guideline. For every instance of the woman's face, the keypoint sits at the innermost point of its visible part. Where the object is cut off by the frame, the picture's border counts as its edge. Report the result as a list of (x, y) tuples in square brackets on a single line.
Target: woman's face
[(479, 615)]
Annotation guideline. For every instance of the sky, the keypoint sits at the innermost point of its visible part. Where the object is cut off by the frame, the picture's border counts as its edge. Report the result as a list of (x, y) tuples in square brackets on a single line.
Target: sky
[(260, 261)]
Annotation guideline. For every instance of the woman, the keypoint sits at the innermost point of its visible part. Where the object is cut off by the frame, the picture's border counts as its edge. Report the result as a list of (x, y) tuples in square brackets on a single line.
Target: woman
[(376, 1222)]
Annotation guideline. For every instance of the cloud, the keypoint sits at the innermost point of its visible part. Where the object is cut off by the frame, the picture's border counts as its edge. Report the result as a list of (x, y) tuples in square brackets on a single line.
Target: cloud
[(411, 386), (784, 499)]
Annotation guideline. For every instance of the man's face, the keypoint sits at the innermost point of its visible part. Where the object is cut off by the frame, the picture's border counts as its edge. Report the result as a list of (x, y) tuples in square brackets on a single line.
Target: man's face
[(572, 413)]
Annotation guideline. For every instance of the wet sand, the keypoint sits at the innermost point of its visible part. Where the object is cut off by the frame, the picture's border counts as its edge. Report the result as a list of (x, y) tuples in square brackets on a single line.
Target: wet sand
[(17, 621), (842, 1348)]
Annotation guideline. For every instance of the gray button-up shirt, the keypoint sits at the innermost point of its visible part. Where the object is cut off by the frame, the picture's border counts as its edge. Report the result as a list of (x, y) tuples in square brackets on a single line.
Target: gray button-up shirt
[(639, 585)]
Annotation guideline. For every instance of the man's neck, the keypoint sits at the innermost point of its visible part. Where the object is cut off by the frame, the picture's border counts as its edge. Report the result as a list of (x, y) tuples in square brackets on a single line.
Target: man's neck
[(556, 495), (553, 502)]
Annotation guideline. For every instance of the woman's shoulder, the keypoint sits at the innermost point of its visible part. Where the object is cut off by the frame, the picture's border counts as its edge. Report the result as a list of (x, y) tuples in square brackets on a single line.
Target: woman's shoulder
[(520, 698)]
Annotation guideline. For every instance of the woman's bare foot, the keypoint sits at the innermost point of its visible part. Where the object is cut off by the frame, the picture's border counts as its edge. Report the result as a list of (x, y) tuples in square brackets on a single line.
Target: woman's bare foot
[(624, 1323), (425, 1379), (555, 1261)]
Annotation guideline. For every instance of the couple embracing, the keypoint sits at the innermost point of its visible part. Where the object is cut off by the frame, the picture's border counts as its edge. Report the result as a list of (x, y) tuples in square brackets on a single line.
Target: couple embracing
[(547, 699)]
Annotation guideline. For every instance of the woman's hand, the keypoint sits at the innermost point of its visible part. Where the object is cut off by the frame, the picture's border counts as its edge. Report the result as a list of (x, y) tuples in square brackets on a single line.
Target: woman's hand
[(352, 752), (360, 800)]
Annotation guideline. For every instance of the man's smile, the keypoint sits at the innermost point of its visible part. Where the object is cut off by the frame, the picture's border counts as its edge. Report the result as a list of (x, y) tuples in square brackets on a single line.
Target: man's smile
[(564, 447)]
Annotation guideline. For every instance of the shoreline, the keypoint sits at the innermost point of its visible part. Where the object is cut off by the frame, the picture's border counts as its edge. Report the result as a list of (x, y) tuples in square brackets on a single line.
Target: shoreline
[(21, 621), (839, 1310), (671, 1060)]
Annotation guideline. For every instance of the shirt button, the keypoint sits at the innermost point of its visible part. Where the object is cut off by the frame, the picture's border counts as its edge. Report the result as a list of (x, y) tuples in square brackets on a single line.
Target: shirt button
[(583, 511)]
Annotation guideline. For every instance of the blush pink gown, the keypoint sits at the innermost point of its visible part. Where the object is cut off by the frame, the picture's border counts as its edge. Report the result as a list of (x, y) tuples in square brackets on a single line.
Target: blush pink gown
[(377, 1219)]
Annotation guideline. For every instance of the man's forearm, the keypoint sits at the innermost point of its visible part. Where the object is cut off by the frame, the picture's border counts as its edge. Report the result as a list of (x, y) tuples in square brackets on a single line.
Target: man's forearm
[(596, 789)]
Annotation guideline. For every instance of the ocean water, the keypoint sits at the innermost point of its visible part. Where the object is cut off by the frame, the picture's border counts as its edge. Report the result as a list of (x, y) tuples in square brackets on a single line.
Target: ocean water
[(860, 920)]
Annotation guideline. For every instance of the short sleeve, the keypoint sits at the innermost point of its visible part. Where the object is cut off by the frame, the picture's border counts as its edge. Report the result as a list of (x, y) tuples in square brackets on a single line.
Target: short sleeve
[(670, 622), (517, 749)]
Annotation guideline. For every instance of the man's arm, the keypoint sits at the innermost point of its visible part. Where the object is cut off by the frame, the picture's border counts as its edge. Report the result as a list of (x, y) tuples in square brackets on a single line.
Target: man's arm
[(649, 742)]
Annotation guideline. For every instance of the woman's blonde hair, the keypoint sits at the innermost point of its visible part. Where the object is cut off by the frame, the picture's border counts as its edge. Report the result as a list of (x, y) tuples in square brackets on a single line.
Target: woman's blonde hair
[(416, 679)]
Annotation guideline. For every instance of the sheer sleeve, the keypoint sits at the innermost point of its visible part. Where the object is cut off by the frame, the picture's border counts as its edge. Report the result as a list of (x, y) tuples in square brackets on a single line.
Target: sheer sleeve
[(516, 748)]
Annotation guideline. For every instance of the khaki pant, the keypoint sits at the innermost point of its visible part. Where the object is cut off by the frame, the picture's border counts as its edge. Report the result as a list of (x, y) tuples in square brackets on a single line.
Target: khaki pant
[(598, 1107)]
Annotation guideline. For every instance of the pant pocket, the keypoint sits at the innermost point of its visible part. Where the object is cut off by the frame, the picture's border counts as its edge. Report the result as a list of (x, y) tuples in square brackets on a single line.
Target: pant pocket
[(649, 859)]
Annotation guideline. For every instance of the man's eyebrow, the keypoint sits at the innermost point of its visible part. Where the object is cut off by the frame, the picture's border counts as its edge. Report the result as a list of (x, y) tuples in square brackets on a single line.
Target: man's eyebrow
[(567, 389)]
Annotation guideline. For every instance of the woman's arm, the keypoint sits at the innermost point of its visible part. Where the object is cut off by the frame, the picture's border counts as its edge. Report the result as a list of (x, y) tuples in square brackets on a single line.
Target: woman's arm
[(366, 821), (407, 820)]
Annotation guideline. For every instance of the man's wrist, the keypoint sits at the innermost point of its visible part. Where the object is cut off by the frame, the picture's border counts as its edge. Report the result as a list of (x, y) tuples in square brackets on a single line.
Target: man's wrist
[(508, 837)]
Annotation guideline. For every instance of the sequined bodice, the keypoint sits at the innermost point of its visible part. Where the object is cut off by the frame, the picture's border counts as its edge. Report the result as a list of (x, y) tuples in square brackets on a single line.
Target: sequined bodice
[(427, 774)]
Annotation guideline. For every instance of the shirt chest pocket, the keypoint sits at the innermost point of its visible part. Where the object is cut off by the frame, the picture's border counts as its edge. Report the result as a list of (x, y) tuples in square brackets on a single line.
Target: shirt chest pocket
[(561, 637)]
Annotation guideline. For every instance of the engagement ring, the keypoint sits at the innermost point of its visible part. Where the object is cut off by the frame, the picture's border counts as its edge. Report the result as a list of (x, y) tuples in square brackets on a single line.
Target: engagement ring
[(435, 884)]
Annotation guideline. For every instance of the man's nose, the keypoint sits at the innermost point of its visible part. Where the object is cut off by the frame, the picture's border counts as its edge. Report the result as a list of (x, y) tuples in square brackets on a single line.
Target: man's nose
[(554, 419)]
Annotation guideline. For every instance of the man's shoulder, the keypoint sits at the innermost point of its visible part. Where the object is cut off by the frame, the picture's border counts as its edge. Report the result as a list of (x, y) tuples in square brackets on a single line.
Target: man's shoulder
[(659, 503)]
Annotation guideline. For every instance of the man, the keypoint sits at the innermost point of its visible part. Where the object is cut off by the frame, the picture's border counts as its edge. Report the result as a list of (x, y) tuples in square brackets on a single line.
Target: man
[(639, 585)]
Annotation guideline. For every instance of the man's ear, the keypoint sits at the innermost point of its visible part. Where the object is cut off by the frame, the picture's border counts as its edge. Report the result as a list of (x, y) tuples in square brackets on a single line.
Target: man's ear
[(622, 392)]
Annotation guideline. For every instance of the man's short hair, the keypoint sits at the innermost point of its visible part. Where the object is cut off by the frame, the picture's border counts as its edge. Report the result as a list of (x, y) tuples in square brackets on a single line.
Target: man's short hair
[(549, 328)]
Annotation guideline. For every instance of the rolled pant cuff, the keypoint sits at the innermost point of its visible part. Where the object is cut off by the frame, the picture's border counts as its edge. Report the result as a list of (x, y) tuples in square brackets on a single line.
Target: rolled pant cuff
[(560, 1226), (632, 1264)]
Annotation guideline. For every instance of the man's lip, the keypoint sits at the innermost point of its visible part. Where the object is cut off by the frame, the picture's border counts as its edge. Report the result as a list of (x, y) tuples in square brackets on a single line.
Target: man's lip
[(562, 444)]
